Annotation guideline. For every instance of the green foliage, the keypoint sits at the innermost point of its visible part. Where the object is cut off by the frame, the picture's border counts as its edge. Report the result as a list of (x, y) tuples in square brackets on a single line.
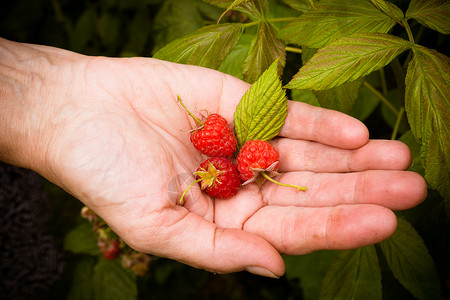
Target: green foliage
[(382, 62)]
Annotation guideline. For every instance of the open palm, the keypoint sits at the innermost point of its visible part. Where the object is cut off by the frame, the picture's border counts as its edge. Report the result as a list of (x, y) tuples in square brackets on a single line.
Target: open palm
[(121, 146)]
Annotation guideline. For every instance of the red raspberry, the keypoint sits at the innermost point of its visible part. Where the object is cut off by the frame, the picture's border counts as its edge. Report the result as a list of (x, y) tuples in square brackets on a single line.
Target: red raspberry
[(215, 138), (255, 157), (111, 250), (218, 177)]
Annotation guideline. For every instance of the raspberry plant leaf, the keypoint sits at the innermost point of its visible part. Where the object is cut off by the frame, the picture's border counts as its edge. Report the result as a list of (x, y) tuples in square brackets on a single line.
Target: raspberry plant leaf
[(255, 9), (206, 47), (353, 274), (265, 48), (348, 59), (389, 9), (300, 5), (333, 19), (262, 110), (434, 14), (411, 263), (341, 97), (428, 109), (82, 240)]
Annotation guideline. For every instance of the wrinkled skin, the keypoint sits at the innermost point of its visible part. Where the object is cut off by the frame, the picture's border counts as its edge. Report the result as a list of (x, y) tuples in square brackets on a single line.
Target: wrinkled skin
[(112, 134)]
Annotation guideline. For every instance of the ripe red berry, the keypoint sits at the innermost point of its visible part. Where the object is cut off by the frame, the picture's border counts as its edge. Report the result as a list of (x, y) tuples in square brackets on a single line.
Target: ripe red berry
[(218, 177), (256, 156), (215, 138), (111, 250)]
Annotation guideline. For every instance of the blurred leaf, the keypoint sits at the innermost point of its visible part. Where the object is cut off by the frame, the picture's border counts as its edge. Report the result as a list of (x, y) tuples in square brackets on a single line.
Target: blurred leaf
[(109, 29), (414, 147), (354, 274), (434, 14), (300, 5), (348, 59), (265, 48), (334, 19), (230, 7), (340, 97), (81, 240), (207, 47), (235, 60), (389, 116), (256, 9), (305, 96), (427, 106), (82, 287), (139, 30), (365, 104), (409, 260), (112, 281), (85, 29), (310, 269), (262, 110)]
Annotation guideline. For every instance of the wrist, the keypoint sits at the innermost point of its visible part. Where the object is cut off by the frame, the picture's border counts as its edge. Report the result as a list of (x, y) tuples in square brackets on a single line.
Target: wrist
[(29, 77)]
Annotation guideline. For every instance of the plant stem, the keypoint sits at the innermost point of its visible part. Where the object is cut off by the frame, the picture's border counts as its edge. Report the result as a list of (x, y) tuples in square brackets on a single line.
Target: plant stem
[(383, 81), (408, 30), (188, 188), (381, 97), (293, 49), (397, 123), (299, 188)]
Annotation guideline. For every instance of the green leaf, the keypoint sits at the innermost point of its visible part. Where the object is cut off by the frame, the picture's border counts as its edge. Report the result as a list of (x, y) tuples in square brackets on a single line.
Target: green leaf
[(354, 274), (231, 6), (434, 14), (427, 107), (310, 270), (414, 147), (305, 96), (235, 60), (81, 240), (109, 29), (178, 18), (300, 5), (256, 9), (348, 59), (334, 19), (84, 30), (263, 108), (112, 281), (82, 287), (340, 97), (389, 9), (389, 116), (410, 262), (207, 47), (265, 48), (365, 104)]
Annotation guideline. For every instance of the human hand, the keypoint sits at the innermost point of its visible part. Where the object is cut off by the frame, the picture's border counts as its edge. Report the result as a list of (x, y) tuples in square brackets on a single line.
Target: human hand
[(113, 137)]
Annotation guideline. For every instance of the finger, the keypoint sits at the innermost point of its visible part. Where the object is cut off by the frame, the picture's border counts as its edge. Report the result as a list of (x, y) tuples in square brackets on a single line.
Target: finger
[(393, 189), (300, 230), (326, 126), (299, 155), (186, 237)]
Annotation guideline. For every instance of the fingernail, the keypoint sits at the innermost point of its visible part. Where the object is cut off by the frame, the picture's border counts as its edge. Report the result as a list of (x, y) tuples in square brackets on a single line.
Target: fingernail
[(261, 271)]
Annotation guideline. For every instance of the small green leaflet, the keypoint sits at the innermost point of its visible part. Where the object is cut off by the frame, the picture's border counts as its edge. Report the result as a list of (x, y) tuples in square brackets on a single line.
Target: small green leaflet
[(300, 5), (112, 281), (255, 9), (82, 240), (348, 59), (354, 274), (410, 262), (434, 14), (206, 47), (428, 109), (265, 48), (263, 108), (334, 19), (232, 5)]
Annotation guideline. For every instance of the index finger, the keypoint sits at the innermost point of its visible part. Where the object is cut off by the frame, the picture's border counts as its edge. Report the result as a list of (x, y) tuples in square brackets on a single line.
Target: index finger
[(307, 122)]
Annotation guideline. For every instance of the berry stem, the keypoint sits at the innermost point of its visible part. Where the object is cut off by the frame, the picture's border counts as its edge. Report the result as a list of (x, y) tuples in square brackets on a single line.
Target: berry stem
[(186, 109), (299, 188), (188, 188)]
